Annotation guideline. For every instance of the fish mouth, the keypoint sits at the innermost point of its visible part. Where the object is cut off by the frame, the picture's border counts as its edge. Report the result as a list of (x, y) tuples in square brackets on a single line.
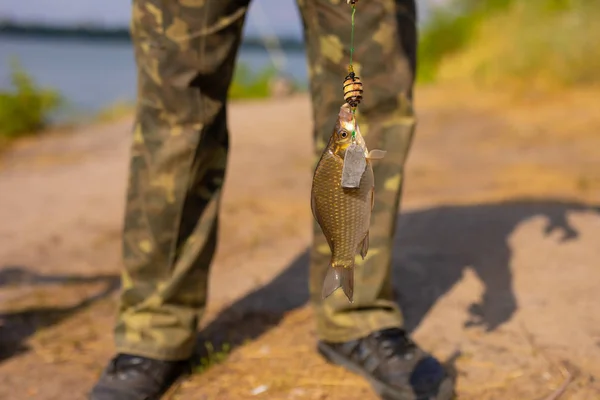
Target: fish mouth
[(346, 118), (347, 121), (345, 114)]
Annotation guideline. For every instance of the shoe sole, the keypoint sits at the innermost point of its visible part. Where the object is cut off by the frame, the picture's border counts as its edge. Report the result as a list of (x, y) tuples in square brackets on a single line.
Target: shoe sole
[(445, 392)]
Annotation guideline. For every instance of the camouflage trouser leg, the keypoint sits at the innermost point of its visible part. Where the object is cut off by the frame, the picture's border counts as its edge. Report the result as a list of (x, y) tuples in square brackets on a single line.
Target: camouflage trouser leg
[(185, 53), (385, 46)]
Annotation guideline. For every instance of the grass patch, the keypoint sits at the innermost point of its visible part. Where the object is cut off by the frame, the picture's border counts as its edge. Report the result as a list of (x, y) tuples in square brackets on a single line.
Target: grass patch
[(531, 44), (450, 29), (212, 357), (248, 85), (25, 108)]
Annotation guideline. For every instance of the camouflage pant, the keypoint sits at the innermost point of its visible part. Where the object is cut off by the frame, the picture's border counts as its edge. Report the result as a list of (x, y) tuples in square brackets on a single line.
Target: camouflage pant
[(185, 52)]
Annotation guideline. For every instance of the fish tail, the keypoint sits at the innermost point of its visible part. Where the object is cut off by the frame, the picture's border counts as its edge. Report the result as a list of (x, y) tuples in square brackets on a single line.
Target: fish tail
[(339, 277)]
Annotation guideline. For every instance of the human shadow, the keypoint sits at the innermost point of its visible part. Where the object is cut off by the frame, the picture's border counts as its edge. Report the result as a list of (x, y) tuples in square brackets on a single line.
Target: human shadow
[(17, 326), (258, 311), (433, 247)]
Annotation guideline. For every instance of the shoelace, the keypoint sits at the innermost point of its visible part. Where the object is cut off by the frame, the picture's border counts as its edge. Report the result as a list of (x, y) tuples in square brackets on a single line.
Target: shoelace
[(395, 343), (123, 363), (122, 367)]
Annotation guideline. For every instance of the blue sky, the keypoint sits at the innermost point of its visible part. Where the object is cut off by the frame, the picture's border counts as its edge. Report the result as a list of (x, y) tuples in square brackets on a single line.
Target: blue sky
[(282, 15)]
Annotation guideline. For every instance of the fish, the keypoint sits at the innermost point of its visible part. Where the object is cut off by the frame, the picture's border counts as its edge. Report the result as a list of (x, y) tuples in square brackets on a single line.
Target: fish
[(343, 213)]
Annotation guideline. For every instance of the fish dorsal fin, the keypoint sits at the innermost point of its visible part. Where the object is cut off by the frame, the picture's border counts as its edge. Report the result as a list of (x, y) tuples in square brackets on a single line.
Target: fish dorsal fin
[(376, 154)]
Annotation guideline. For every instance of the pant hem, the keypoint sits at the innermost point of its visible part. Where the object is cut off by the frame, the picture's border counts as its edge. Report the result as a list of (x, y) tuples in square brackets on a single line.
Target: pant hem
[(356, 333), (153, 352)]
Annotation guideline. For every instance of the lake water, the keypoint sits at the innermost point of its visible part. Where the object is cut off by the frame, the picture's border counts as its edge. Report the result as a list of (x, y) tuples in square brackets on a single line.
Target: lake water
[(92, 75)]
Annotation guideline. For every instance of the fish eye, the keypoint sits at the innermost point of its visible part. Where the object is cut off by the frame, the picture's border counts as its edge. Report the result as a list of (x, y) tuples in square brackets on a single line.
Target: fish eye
[(343, 134)]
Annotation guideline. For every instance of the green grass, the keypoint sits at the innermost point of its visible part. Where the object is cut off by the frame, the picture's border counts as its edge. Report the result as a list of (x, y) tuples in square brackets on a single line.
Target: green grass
[(212, 357), (24, 109), (451, 29), (495, 43), (248, 85)]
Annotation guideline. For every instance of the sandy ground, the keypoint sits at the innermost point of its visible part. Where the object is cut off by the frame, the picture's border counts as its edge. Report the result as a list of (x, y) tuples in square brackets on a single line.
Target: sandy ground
[(496, 265)]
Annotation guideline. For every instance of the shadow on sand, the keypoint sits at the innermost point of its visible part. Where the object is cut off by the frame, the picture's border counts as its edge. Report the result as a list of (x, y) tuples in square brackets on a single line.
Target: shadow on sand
[(433, 247), (17, 327)]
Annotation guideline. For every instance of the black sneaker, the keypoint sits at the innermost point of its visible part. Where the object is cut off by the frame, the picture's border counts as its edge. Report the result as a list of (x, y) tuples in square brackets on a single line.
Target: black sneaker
[(130, 377), (394, 365)]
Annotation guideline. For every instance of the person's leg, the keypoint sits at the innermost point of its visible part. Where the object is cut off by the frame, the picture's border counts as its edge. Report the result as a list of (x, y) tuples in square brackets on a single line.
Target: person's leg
[(384, 59), (185, 53), (352, 334)]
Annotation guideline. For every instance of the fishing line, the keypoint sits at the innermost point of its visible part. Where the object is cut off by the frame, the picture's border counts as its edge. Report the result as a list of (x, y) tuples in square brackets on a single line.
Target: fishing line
[(352, 84), (351, 69), (352, 37)]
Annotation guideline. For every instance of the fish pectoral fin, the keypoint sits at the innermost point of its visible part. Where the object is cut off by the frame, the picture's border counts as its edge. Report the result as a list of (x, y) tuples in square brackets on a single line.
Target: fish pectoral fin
[(339, 277), (364, 246), (376, 154)]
